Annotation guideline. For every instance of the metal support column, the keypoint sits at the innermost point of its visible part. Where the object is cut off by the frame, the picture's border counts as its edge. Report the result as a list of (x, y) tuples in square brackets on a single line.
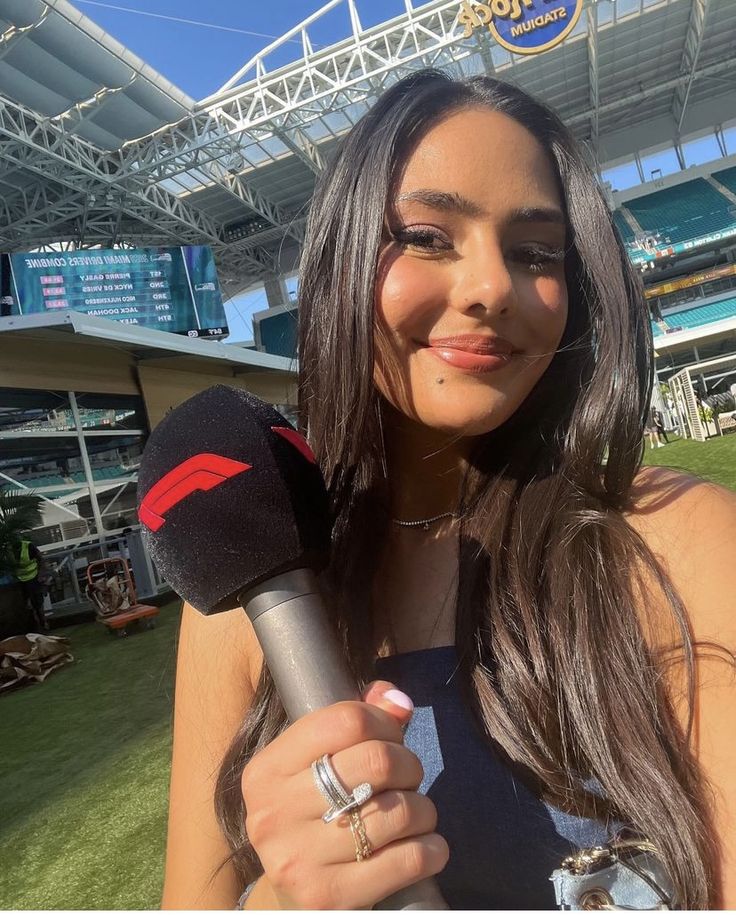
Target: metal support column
[(640, 168), (88, 472), (680, 154), (721, 140)]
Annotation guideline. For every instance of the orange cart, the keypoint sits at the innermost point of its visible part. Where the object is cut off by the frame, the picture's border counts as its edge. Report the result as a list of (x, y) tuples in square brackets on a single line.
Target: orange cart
[(111, 589)]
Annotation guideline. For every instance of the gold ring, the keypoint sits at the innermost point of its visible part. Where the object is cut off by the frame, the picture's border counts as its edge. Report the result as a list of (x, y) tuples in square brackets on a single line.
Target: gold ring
[(363, 847)]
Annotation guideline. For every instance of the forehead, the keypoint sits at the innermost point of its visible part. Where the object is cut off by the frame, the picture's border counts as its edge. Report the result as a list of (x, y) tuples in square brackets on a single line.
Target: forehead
[(485, 156)]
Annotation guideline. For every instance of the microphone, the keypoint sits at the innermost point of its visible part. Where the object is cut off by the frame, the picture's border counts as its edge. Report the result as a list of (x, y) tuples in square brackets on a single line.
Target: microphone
[(235, 514)]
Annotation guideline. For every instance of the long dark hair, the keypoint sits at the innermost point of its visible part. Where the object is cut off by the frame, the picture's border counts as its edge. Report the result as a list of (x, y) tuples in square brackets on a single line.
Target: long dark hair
[(552, 578)]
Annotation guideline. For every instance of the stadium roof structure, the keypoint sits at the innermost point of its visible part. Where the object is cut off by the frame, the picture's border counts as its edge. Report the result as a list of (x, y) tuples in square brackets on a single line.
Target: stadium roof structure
[(98, 149)]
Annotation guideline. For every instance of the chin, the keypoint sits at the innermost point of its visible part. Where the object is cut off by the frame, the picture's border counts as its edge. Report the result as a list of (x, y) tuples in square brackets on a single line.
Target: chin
[(465, 421)]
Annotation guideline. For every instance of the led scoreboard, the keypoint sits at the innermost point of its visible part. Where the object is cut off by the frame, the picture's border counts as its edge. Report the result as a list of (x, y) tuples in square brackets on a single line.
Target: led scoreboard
[(173, 289)]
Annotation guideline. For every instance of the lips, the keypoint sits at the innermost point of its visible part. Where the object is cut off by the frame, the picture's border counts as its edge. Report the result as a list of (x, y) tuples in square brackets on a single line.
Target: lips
[(473, 353), (474, 343)]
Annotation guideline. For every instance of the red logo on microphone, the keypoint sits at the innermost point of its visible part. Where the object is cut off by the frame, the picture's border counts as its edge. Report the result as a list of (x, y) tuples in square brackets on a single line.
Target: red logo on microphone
[(298, 441), (201, 472)]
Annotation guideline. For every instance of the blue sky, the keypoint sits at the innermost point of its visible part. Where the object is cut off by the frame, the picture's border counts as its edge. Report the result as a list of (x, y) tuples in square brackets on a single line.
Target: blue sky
[(199, 58)]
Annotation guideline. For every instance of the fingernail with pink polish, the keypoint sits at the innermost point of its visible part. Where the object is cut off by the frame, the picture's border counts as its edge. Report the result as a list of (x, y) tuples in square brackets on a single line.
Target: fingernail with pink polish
[(399, 698)]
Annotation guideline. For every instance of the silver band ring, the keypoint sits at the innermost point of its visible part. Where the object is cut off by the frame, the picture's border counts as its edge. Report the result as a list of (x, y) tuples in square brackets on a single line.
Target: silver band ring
[(332, 790)]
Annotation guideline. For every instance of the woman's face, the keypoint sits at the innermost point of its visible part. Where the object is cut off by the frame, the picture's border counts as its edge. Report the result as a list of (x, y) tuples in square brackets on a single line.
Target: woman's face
[(471, 298)]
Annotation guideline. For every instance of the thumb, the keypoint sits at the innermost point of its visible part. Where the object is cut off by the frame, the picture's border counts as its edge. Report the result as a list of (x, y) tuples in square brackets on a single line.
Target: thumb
[(391, 699)]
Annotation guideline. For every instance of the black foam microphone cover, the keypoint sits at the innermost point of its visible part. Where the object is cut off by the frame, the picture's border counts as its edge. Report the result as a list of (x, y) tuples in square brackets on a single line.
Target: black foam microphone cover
[(229, 494)]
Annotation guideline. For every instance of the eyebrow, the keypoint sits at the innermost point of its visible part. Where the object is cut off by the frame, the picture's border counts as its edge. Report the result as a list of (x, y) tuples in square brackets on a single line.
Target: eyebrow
[(452, 202), (449, 202)]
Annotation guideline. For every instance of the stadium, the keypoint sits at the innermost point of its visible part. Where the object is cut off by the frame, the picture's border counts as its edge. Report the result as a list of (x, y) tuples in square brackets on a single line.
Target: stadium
[(130, 212)]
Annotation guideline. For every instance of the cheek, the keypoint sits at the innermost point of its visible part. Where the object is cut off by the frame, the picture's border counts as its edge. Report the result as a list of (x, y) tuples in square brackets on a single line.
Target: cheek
[(546, 309), (405, 294), (405, 307)]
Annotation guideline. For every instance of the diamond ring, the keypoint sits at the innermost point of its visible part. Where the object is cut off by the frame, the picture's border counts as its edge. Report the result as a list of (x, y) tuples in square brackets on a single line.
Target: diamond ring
[(331, 788)]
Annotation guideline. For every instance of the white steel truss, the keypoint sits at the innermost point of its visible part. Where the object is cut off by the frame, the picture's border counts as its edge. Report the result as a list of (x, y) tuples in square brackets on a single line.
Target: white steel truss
[(43, 147), (690, 54), (299, 102), (322, 83), (41, 206)]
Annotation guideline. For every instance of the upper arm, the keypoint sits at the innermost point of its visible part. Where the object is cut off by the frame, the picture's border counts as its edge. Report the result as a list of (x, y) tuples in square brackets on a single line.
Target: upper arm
[(694, 536), (217, 660)]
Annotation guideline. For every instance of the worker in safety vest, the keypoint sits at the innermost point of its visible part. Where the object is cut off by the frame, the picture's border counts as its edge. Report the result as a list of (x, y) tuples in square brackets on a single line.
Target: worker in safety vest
[(28, 561)]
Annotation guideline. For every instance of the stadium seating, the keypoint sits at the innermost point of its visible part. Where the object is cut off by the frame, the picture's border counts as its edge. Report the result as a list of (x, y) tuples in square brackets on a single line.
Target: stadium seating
[(42, 480), (727, 178), (683, 212), (624, 229), (112, 472), (698, 316), (109, 472), (45, 479)]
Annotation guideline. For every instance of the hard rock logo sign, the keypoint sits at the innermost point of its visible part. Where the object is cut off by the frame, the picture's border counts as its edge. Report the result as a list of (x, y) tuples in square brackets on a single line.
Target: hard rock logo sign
[(522, 26)]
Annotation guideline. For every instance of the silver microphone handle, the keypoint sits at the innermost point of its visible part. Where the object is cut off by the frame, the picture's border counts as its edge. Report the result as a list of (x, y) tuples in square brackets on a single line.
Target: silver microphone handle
[(309, 671)]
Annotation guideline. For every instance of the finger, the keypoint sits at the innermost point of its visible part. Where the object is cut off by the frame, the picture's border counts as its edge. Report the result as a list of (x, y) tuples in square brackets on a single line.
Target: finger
[(387, 817), (385, 766), (394, 815), (327, 730), (388, 870), (385, 695)]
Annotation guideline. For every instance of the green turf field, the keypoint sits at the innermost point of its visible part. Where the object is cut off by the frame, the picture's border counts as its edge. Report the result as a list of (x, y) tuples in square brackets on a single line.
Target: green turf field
[(84, 771), (713, 460)]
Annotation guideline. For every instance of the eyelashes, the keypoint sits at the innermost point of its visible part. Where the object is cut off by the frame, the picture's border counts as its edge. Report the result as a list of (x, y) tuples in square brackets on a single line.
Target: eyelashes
[(422, 237), (535, 258)]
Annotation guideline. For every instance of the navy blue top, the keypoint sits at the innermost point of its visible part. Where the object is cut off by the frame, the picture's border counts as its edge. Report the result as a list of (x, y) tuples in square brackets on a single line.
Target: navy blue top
[(504, 841)]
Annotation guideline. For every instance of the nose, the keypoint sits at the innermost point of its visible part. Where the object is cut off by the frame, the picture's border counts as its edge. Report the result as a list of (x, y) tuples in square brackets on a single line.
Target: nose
[(484, 283)]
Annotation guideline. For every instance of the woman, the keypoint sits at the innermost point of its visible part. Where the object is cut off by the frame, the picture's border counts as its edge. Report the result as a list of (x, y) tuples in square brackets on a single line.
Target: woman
[(475, 371)]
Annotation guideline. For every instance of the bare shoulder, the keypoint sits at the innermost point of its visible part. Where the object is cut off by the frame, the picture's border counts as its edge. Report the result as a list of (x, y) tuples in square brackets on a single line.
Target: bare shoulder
[(690, 525)]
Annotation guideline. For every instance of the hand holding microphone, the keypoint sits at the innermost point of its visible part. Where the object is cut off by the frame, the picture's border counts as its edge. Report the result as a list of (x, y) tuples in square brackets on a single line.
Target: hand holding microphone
[(312, 865), (236, 515)]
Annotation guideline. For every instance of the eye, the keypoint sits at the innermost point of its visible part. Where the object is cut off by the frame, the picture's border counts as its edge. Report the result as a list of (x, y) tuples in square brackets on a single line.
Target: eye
[(422, 238), (538, 258)]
